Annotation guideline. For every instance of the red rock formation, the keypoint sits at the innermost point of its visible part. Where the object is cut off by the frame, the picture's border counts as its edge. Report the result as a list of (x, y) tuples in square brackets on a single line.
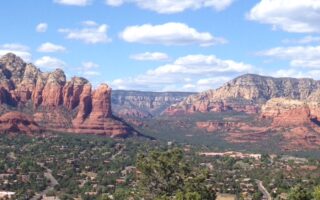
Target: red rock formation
[(95, 116), (205, 106), (85, 105), (52, 91), (248, 93), (54, 102), (72, 91), (18, 122), (285, 112), (37, 92), (101, 103)]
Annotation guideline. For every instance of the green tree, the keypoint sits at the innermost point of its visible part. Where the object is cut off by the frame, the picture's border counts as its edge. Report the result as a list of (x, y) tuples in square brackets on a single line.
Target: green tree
[(103, 197), (299, 193), (257, 196), (316, 193), (166, 175), (121, 194)]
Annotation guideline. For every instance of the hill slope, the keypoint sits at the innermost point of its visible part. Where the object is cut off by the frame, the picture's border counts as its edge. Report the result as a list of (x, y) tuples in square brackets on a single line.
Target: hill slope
[(288, 108)]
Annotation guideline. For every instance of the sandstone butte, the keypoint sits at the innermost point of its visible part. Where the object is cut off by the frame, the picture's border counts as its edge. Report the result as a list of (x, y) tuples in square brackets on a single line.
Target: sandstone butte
[(48, 100)]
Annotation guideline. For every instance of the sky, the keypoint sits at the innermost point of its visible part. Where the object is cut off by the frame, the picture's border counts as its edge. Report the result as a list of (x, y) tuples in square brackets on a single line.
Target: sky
[(165, 45)]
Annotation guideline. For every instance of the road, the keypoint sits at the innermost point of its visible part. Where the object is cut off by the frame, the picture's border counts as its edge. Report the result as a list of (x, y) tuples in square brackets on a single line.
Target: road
[(53, 182), (118, 153), (266, 194)]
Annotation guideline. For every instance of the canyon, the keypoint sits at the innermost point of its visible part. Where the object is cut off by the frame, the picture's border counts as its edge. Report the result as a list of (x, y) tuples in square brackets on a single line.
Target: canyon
[(138, 104)]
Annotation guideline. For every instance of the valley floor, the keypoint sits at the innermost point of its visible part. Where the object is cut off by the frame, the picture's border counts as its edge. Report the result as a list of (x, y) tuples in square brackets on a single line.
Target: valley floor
[(91, 167)]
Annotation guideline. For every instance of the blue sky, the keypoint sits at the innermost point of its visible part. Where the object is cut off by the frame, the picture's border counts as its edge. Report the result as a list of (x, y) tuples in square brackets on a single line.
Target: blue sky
[(165, 45)]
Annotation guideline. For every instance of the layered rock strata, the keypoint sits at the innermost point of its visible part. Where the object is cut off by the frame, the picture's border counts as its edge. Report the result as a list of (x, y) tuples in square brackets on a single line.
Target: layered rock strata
[(56, 103)]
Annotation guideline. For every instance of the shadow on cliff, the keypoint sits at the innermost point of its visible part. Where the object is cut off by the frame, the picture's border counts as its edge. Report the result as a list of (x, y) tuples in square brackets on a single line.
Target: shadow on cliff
[(135, 133)]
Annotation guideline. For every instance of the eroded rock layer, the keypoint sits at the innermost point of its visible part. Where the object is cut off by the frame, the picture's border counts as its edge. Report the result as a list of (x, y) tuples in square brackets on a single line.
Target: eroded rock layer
[(286, 108), (55, 103), (137, 104), (18, 122), (248, 93)]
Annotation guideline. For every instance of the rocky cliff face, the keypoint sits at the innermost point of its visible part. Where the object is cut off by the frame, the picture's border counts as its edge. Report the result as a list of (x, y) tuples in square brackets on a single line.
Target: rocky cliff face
[(287, 112), (248, 93), (285, 107), (138, 104), (18, 122), (54, 102)]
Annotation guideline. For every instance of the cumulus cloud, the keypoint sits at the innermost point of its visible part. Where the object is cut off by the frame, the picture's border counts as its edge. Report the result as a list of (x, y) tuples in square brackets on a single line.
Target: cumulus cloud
[(296, 73), (170, 7), (169, 34), (91, 73), (305, 40), (18, 49), (114, 2), (190, 73), (42, 27), (88, 69), (298, 56), (48, 62), (150, 56), (74, 2), (49, 47), (299, 16), (90, 33)]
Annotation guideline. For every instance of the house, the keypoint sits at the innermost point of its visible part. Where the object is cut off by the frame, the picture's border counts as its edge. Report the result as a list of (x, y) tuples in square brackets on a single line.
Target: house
[(4, 194)]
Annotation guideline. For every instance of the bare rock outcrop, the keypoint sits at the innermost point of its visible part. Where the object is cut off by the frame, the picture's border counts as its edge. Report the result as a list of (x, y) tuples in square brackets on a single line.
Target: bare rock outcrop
[(55, 103), (18, 122), (247, 93), (287, 112)]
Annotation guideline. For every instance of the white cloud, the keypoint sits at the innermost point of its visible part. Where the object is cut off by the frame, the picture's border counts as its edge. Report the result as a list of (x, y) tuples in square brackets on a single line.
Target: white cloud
[(42, 27), (74, 2), (50, 62), (18, 49), (90, 33), (88, 69), (305, 40), (298, 56), (299, 16), (169, 34), (170, 7), (15, 47), (150, 56), (50, 48), (89, 23), (114, 2), (314, 74), (89, 65), (189, 73), (91, 73)]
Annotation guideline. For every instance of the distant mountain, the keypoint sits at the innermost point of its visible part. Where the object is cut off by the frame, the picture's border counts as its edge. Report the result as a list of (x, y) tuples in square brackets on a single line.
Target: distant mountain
[(248, 93), (54, 103), (287, 107), (139, 104)]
